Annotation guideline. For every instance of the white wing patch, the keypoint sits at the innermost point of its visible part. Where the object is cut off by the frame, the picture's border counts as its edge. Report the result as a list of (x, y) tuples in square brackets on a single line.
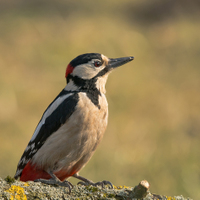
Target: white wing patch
[(47, 113), (32, 146), (31, 149)]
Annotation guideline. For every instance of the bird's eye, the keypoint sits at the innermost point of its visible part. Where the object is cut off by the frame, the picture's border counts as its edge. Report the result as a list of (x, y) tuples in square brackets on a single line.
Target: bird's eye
[(97, 63)]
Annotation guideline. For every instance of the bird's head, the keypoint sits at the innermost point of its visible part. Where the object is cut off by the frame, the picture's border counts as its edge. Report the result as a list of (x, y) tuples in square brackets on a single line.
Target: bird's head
[(93, 66)]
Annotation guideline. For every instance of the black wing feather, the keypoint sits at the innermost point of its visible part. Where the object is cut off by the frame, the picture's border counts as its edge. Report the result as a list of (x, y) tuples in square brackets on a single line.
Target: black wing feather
[(56, 119), (52, 124)]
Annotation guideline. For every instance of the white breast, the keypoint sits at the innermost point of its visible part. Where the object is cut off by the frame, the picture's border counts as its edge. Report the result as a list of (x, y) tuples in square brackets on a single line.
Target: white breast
[(76, 140)]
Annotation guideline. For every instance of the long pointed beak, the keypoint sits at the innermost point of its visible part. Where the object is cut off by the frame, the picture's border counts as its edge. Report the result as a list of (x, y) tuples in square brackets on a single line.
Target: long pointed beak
[(116, 62)]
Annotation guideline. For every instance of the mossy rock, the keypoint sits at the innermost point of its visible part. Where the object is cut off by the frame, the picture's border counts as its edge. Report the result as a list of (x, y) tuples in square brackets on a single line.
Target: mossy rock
[(10, 189)]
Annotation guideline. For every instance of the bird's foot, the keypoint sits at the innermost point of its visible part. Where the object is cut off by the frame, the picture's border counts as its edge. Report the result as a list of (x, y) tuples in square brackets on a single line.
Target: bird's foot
[(55, 181), (88, 182)]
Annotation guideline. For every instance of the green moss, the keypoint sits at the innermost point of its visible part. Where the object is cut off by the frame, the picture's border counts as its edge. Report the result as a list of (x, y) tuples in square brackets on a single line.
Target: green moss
[(92, 189), (110, 195), (9, 180)]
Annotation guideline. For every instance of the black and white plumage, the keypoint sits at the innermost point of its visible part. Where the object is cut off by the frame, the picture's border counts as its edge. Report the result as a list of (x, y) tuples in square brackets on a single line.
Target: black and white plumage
[(73, 124), (55, 115)]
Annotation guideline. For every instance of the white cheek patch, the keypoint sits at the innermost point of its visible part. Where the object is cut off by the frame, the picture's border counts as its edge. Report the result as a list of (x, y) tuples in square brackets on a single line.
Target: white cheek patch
[(86, 71)]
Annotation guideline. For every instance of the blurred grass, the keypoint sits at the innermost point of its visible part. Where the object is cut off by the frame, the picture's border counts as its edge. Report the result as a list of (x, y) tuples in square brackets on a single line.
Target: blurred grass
[(154, 102)]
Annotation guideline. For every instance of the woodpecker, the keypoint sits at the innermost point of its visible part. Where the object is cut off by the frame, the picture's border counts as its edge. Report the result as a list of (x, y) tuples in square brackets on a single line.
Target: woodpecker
[(72, 126)]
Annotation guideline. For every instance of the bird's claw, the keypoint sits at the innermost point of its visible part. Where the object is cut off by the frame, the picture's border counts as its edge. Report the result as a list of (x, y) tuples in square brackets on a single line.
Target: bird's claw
[(110, 185), (66, 184)]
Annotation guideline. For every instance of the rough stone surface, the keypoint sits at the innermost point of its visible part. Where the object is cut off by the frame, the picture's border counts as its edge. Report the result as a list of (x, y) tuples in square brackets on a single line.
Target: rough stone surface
[(11, 189)]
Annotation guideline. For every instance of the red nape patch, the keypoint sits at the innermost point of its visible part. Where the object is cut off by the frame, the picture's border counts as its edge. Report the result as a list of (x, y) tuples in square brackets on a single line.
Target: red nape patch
[(31, 173), (69, 70)]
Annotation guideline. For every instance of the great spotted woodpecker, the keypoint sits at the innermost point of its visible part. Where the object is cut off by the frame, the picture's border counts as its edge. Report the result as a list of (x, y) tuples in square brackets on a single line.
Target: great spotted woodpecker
[(72, 126)]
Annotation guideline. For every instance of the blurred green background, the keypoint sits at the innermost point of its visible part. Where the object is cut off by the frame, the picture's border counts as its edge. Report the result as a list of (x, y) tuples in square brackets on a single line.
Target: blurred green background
[(154, 102)]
